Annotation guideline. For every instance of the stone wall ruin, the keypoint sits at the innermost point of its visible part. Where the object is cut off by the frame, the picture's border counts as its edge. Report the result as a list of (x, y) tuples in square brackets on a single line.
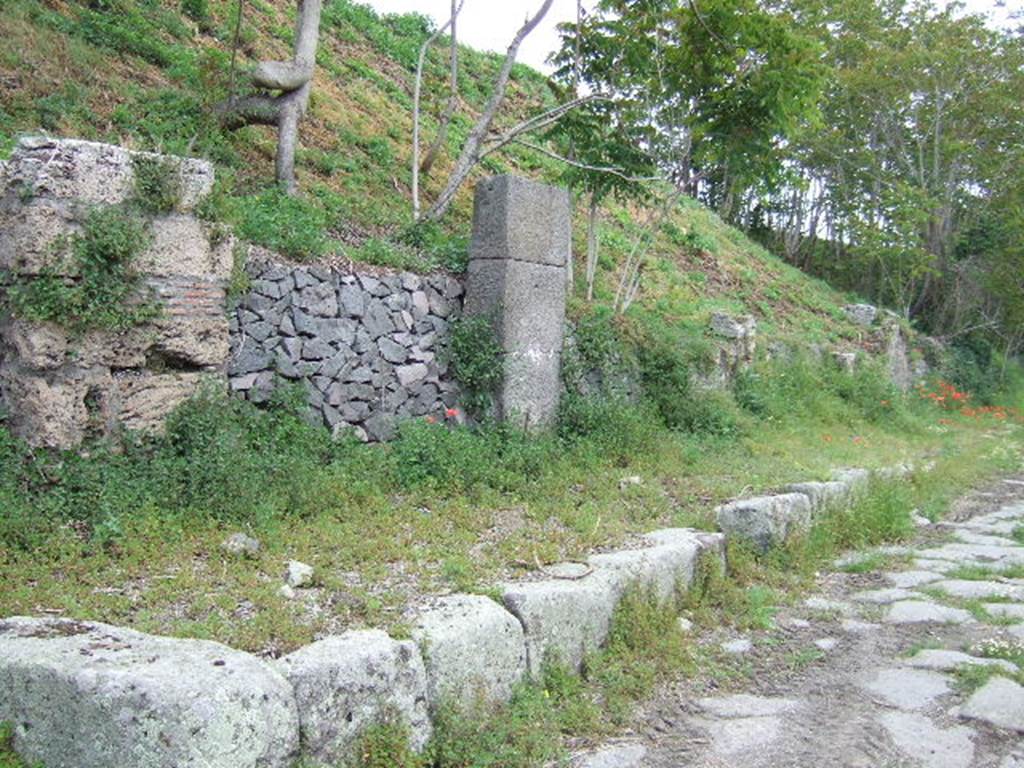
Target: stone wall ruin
[(59, 388)]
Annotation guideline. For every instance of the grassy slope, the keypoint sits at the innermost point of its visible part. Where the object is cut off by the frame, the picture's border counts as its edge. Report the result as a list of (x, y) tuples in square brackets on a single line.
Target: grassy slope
[(74, 72)]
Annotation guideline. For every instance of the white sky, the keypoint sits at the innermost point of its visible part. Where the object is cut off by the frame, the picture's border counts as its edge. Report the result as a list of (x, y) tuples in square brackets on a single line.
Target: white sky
[(490, 24)]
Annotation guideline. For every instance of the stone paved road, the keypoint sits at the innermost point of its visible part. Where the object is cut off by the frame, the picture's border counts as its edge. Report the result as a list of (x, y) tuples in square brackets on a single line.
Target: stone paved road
[(867, 674)]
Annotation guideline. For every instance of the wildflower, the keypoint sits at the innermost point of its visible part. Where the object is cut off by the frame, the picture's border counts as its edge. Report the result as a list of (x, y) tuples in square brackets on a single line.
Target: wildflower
[(431, 420), (451, 413)]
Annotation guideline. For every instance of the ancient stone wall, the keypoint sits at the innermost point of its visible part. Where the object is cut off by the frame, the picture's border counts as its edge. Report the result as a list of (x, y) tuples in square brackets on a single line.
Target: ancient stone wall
[(59, 387), (370, 348)]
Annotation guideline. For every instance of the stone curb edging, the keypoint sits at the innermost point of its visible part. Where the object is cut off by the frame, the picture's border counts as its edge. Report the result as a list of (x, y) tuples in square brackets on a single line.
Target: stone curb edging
[(767, 521), (77, 692)]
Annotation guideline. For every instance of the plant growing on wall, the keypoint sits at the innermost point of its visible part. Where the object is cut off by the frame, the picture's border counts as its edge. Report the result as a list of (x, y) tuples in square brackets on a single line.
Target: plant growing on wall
[(104, 294), (476, 360)]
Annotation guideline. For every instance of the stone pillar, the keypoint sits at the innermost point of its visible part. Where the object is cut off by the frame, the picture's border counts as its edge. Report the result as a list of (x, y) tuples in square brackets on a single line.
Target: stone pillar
[(518, 255)]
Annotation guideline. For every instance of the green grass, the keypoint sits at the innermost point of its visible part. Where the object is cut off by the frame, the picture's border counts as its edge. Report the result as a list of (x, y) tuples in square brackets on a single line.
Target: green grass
[(8, 757)]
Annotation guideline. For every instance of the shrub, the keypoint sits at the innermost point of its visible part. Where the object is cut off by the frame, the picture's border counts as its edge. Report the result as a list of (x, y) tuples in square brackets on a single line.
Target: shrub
[(157, 185), (613, 427), (197, 10), (476, 360)]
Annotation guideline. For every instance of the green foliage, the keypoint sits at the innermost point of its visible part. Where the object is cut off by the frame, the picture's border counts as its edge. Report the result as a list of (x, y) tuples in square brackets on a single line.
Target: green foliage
[(476, 360), (197, 10), (157, 184), (457, 459), (612, 427), (105, 291), (386, 745), (219, 459), (8, 757), (293, 226)]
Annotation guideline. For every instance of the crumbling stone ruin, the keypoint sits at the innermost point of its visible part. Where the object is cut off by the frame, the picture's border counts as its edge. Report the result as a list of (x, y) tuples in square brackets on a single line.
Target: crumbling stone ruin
[(59, 386)]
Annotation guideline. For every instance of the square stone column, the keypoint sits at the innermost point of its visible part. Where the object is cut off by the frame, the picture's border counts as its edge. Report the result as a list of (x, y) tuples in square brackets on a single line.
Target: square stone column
[(517, 260)]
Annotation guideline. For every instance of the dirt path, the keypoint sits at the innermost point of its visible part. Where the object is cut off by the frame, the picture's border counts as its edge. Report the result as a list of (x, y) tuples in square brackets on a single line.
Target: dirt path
[(867, 674)]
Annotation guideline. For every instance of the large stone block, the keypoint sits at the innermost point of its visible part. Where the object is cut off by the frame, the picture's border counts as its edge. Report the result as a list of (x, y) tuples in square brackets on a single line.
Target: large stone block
[(521, 220), (564, 619), (823, 495), (474, 651), (181, 245), (142, 401), (48, 414), (347, 683), (36, 235), (86, 695), (766, 521), (39, 346), (665, 567), (95, 174)]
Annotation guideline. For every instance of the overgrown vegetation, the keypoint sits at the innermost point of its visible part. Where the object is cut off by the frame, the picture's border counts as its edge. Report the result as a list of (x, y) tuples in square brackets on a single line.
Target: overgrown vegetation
[(477, 362), (98, 286)]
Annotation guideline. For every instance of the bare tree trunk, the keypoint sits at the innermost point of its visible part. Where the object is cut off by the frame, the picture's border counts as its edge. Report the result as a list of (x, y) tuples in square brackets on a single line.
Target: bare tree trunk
[(294, 80), (417, 92), (471, 151), (453, 96), (592, 222)]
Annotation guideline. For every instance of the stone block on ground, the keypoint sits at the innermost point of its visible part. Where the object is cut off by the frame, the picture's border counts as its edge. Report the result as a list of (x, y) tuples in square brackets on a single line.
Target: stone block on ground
[(88, 695), (347, 683), (765, 521), (473, 649), (823, 495), (563, 619), (861, 314), (667, 565)]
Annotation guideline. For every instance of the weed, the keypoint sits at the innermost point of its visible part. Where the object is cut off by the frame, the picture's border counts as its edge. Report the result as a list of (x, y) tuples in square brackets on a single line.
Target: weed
[(104, 292), (293, 226), (1018, 534), (157, 184), (8, 757), (970, 677), (477, 362), (386, 745)]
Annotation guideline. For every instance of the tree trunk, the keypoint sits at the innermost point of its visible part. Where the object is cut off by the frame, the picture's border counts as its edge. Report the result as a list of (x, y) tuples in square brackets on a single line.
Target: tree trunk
[(471, 151), (592, 222), (294, 80)]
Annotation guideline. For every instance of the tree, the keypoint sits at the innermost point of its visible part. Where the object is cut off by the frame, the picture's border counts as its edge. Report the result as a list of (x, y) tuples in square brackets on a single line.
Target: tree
[(474, 150), (293, 80), (706, 93)]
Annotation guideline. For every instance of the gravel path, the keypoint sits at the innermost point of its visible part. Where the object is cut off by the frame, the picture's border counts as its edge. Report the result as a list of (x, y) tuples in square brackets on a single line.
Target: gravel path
[(866, 674)]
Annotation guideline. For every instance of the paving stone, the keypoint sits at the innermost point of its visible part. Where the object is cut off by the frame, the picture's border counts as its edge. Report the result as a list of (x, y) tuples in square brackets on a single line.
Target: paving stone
[(882, 596), (935, 566), (910, 579), (908, 689), (826, 644), (947, 661), (1005, 610), (922, 611), (830, 606), (855, 627), (1000, 702), (735, 737), (969, 537), (620, 756), (1016, 631), (746, 705), (979, 590), (931, 746)]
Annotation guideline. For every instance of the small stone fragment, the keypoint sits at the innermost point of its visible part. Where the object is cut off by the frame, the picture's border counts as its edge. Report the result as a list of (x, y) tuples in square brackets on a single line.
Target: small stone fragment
[(241, 544), (299, 575)]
